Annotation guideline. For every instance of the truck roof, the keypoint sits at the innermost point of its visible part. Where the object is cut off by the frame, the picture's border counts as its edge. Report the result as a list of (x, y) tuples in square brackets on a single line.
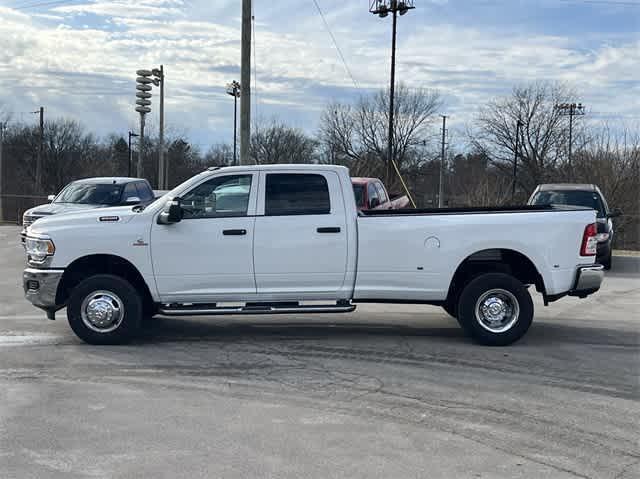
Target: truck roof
[(280, 167), (359, 180), (111, 180), (567, 186)]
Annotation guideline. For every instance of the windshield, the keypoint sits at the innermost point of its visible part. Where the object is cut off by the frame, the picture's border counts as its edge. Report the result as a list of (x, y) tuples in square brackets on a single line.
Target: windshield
[(588, 199), (90, 194), (359, 192)]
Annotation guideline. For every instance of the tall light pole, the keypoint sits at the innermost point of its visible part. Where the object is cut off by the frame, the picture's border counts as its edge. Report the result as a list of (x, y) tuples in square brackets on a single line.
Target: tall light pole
[(131, 135), (570, 110), (442, 163), (519, 124), (144, 87), (383, 8), (40, 112), (245, 81), (234, 89), (3, 126), (163, 170)]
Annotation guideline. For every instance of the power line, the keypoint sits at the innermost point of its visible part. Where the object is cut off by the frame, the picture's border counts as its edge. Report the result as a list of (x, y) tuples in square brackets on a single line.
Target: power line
[(335, 43), (54, 3)]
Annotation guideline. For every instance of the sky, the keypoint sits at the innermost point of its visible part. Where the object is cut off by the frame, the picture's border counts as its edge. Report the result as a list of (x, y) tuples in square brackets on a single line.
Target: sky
[(78, 58)]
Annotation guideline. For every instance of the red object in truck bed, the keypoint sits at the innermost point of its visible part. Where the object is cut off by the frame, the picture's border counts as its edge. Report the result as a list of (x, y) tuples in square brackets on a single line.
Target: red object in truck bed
[(371, 194)]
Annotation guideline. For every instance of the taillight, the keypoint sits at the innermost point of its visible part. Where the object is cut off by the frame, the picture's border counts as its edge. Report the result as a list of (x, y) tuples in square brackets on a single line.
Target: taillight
[(589, 240)]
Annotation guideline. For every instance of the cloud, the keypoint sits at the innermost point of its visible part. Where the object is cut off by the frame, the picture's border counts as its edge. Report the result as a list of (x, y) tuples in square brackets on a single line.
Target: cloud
[(79, 61)]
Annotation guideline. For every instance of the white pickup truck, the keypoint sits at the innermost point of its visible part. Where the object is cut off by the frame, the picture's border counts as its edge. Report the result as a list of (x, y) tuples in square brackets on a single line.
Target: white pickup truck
[(289, 239)]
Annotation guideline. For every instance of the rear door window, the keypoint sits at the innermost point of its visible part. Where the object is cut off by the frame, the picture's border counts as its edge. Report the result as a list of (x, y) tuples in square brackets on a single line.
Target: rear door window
[(296, 194)]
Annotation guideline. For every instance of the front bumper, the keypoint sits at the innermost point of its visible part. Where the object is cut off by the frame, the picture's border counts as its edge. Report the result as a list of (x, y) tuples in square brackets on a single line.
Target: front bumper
[(41, 286), (588, 280)]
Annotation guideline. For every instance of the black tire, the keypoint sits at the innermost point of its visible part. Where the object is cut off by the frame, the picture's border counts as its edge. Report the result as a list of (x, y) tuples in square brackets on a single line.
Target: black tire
[(507, 293), (111, 292)]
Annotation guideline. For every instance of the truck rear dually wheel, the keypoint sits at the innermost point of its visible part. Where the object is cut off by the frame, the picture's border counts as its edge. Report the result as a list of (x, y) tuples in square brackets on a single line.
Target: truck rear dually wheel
[(495, 309), (105, 309)]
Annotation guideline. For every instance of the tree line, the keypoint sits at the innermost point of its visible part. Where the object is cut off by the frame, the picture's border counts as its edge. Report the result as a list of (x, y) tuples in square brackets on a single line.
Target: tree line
[(478, 168)]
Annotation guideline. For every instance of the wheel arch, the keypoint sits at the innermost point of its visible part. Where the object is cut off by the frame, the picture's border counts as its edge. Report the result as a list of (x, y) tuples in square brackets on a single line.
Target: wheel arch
[(91, 265), (501, 260)]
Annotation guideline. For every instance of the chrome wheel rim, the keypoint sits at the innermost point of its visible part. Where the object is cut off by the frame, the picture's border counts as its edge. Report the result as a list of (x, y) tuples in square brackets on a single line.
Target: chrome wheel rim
[(497, 310), (102, 311)]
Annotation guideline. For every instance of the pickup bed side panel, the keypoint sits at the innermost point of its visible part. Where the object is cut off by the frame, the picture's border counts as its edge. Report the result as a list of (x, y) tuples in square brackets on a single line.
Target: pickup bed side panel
[(414, 257)]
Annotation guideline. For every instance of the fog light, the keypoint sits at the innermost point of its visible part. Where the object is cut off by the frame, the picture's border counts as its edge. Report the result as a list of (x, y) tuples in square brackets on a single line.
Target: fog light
[(33, 285)]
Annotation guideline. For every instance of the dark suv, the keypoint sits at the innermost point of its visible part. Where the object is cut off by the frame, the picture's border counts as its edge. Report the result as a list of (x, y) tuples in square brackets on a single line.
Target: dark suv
[(589, 196)]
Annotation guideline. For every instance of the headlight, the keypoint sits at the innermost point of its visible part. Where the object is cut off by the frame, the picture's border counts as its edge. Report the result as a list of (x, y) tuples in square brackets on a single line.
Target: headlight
[(602, 237), (38, 249)]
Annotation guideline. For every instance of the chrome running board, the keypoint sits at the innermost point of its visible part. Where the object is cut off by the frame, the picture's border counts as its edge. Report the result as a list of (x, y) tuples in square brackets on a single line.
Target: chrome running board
[(256, 308)]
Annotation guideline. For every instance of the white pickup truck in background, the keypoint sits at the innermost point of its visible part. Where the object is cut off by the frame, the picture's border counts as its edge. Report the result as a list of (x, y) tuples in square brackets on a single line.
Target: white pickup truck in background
[(289, 239)]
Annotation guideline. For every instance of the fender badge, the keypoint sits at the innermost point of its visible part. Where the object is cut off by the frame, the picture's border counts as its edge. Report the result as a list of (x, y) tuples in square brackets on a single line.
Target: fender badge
[(109, 218), (140, 242)]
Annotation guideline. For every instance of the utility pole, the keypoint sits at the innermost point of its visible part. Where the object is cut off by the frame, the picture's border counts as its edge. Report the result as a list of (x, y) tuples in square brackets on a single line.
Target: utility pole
[(392, 95), (163, 180), (442, 164), (382, 8), (131, 134), (245, 84), (139, 165), (2, 128), (234, 89), (515, 161), (570, 110), (40, 151)]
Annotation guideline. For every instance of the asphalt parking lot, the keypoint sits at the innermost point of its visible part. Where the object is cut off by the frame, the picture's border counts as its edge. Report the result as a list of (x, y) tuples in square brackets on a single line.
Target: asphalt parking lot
[(388, 392)]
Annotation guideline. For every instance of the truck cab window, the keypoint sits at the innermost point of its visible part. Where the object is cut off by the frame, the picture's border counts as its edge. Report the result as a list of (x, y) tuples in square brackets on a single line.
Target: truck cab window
[(381, 193), (144, 193), (373, 196), (297, 194), (223, 196), (130, 191)]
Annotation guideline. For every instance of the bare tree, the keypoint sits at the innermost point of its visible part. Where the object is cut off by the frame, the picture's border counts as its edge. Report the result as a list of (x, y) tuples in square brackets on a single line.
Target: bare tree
[(611, 160), (543, 141), (474, 181), (220, 154), (357, 136), (278, 143)]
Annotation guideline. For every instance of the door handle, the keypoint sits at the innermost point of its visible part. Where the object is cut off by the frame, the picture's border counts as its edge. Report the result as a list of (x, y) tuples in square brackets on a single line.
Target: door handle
[(329, 230), (234, 232)]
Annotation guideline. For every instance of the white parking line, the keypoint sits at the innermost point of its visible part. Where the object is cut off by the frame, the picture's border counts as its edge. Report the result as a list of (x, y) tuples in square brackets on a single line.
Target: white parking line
[(26, 316), (28, 339)]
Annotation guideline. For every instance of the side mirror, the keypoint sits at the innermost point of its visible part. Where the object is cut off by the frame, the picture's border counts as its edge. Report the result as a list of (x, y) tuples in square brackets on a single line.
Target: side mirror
[(50, 198), (614, 213), (172, 212), (374, 203), (132, 200)]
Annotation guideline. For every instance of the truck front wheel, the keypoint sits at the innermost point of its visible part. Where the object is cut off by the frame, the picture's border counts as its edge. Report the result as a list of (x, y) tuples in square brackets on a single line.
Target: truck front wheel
[(105, 309), (495, 309)]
